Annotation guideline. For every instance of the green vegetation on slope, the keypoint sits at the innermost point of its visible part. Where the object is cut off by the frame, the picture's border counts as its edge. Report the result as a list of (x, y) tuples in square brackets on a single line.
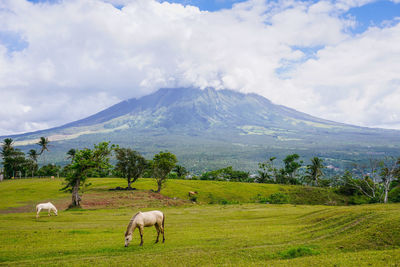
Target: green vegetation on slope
[(196, 235), (22, 192)]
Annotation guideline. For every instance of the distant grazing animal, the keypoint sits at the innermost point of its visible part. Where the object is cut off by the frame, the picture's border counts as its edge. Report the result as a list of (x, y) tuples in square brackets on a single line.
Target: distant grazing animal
[(145, 219), (192, 193), (45, 206)]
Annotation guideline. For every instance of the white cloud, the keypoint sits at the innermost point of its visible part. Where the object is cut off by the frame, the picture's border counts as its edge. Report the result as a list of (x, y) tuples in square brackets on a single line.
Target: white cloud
[(357, 80), (84, 55)]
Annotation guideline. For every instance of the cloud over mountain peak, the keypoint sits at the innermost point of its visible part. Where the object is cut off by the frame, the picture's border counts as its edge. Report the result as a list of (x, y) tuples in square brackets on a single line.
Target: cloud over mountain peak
[(75, 58)]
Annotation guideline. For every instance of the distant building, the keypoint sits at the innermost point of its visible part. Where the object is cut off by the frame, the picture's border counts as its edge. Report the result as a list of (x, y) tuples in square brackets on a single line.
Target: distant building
[(332, 168)]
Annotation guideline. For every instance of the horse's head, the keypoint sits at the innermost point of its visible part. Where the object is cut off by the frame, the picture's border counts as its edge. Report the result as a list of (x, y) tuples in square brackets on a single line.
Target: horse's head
[(56, 212), (128, 239)]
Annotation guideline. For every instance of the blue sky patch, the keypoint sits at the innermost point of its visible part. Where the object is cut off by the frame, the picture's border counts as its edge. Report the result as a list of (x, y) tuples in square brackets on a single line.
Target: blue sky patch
[(44, 1), (373, 14), (12, 41), (208, 5)]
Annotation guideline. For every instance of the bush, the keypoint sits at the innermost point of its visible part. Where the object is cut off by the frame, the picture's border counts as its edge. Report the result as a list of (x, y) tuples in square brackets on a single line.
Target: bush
[(297, 252), (261, 199), (278, 198), (193, 198), (172, 175), (394, 194)]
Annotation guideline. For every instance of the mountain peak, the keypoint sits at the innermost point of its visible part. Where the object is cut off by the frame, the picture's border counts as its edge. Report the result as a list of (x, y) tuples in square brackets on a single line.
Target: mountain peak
[(199, 124)]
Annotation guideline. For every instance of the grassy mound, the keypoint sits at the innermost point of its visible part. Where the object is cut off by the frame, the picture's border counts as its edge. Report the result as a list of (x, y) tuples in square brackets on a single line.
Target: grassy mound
[(26, 192)]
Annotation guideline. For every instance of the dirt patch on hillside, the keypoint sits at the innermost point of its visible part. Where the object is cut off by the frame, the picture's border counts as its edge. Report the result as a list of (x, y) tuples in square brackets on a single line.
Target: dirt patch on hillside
[(135, 199)]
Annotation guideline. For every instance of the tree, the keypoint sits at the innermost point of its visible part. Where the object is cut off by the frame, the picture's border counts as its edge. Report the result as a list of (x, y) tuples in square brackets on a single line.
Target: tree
[(291, 165), (226, 174), (389, 172), (181, 171), (44, 145), (288, 174), (267, 172), (71, 154), (13, 159), (7, 145), (33, 156), (365, 179), (6, 151), (31, 166), (86, 161), (49, 170), (315, 170), (162, 164), (130, 164)]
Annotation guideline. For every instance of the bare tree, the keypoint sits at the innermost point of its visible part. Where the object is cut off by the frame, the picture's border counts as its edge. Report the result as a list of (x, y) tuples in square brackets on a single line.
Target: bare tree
[(374, 180), (389, 172), (367, 180)]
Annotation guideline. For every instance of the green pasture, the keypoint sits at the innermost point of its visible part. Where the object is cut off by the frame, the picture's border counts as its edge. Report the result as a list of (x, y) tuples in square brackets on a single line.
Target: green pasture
[(30, 191), (244, 234)]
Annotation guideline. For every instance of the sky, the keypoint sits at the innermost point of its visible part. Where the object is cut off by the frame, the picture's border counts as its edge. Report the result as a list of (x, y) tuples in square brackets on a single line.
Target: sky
[(63, 60)]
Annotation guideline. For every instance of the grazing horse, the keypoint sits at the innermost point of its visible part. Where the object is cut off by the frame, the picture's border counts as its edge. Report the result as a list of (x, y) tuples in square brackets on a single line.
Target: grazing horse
[(45, 206), (145, 219)]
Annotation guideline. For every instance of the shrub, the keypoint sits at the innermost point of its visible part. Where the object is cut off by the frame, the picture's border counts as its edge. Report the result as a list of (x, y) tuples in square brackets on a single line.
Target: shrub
[(193, 198), (278, 198), (394, 194), (261, 199), (297, 252)]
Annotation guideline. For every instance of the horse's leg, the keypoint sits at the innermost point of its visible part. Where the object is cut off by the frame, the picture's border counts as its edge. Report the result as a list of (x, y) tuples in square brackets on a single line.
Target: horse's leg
[(37, 213), (141, 235), (162, 231), (158, 231), (49, 212)]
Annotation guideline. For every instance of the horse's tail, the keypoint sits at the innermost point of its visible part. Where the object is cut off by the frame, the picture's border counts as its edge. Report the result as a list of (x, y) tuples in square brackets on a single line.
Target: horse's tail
[(163, 220)]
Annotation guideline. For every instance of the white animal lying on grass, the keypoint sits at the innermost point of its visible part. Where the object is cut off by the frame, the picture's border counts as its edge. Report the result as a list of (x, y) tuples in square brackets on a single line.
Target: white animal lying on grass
[(45, 206)]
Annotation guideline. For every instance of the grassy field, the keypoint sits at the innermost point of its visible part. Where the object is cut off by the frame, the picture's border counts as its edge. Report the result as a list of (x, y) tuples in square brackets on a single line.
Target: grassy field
[(29, 191), (204, 234)]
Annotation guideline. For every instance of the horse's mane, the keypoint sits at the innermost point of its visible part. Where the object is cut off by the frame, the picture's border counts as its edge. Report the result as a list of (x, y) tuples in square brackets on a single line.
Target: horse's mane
[(130, 223)]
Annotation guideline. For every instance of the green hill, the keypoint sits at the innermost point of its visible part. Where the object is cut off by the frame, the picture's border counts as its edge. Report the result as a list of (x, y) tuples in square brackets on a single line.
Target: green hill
[(17, 193), (244, 234)]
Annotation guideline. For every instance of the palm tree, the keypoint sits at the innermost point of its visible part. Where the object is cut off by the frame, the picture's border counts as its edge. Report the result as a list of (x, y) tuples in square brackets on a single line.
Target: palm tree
[(44, 145), (315, 170)]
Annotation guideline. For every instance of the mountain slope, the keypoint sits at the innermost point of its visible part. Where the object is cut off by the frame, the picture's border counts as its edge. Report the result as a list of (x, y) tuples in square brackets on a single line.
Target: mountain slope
[(211, 128)]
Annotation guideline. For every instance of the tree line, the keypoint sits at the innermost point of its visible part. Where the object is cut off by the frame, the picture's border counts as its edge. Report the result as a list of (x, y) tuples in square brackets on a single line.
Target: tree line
[(17, 164), (374, 182)]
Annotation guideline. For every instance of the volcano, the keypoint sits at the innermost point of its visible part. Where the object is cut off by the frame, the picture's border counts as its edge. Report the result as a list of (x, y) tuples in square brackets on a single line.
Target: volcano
[(210, 128)]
